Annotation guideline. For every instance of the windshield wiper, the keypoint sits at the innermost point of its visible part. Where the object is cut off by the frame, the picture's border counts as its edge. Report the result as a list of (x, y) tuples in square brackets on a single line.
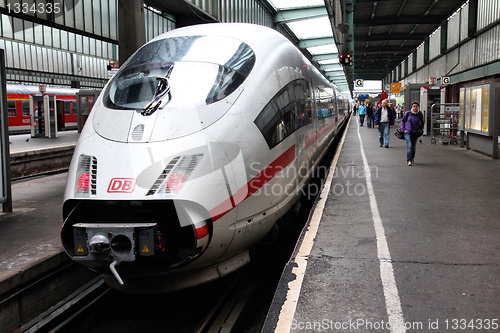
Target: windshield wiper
[(162, 89)]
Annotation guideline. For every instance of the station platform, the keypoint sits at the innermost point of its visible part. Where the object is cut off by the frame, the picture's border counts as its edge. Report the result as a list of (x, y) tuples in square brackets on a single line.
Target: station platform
[(25, 143), (30, 244), (399, 248), (32, 156), (30, 234)]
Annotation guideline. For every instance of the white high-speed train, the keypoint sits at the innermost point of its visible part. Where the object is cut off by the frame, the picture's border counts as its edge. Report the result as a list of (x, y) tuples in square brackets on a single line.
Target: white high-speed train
[(199, 143)]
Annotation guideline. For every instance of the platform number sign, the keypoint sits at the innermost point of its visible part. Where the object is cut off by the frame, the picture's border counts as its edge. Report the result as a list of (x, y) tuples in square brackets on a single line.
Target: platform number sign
[(445, 80), (359, 82)]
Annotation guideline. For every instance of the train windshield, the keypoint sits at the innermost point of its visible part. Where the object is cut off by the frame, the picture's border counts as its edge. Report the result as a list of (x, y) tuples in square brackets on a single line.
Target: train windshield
[(196, 70)]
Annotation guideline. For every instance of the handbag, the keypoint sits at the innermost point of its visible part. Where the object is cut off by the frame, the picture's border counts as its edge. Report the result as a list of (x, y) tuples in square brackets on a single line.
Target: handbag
[(418, 133), (399, 134)]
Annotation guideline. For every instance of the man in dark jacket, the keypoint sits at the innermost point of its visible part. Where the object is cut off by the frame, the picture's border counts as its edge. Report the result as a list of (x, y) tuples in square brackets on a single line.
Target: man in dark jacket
[(384, 119), (369, 115)]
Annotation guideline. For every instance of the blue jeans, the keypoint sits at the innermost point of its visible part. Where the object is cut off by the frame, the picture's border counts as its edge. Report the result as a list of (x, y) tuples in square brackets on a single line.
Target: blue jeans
[(383, 133), (369, 121), (411, 146)]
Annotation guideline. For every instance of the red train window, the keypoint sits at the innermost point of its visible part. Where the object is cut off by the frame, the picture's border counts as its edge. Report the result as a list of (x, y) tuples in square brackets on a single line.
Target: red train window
[(11, 108), (26, 109)]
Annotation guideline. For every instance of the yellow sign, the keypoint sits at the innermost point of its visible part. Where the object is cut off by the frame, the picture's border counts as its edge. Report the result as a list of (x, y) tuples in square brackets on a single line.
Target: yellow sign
[(395, 87), (145, 249), (80, 248)]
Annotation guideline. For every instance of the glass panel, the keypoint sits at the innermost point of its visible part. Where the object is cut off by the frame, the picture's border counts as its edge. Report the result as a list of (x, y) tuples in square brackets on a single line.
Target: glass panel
[(18, 29), (34, 62), (59, 65), (15, 54), (8, 54), (47, 36), (78, 9), (45, 60), (86, 45), (72, 41), (79, 43), (213, 66), (58, 6), (92, 46), (113, 21), (27, 57), (105, 17), (88, 15), (486, 106), (7, 26), (97, 16), (56, 38), (69, 18), (38, 34), (41, 9), (98, 48), (29, 32)]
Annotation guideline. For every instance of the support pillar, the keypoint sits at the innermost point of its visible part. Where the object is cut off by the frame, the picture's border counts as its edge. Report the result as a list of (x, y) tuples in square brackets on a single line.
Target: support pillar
[(131, 28)]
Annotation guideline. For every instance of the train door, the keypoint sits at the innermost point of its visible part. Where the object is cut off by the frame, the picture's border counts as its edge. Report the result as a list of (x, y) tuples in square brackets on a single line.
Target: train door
[(61, 124), (43, 118), (84, 102)]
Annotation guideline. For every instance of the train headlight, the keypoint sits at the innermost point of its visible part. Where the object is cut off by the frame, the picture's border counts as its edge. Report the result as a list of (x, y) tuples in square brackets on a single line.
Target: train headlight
[(175, 175), (175, 182), (86, 176), (82, 184)]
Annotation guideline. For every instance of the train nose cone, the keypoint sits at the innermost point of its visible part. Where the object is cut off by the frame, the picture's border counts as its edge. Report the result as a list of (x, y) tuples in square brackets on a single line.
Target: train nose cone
[(99, 244)]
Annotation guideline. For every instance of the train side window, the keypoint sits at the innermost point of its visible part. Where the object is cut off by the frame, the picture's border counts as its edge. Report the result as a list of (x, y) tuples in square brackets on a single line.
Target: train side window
[(26, 108), (11, 107), (67, 108), (268, 121), (284, 114)]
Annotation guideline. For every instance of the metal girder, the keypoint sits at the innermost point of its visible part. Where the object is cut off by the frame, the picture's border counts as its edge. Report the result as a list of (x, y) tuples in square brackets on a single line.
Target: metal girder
[(305, 43), (384, 37), (331, 67), (299, 14), (325, 56), (390, 20)]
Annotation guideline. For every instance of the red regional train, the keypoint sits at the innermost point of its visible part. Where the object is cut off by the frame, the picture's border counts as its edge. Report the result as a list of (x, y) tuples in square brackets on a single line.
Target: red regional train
[(19, 108)]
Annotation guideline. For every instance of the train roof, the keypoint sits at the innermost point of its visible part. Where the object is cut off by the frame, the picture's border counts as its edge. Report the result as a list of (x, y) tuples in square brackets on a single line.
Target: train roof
[(31, 89)]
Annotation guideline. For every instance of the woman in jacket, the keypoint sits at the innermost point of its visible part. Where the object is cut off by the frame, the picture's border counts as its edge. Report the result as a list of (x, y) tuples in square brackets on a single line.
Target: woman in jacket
[(411, 124)]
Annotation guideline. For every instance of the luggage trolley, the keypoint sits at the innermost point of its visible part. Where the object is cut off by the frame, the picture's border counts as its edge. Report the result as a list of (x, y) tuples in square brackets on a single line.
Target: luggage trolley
[(444, 123)]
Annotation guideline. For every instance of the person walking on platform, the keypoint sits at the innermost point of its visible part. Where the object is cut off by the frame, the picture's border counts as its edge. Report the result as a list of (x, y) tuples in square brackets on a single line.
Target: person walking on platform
[(412, 125), (384, 119), (369, 115), (362, 113)]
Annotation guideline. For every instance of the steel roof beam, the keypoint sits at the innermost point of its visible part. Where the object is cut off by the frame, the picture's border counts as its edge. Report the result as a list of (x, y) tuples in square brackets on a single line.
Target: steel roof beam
[(305, 43), (399, 36), (330, 67), (326, 56), (390, 20), (299, 14)]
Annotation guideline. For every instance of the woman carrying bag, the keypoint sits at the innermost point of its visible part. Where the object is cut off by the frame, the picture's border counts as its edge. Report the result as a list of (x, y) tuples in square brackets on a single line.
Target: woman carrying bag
[(412, 126)]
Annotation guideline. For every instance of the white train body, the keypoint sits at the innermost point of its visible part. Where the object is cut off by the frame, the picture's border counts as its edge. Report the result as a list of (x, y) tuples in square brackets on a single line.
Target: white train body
[(204, 138)]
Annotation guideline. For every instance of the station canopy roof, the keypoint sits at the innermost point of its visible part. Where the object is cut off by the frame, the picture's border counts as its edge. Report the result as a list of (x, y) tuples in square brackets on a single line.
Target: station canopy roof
[(309, 22), (379, 35)]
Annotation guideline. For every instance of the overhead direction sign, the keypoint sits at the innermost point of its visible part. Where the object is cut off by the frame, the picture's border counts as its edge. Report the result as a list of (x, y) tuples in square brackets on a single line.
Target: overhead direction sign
[(395, 87)]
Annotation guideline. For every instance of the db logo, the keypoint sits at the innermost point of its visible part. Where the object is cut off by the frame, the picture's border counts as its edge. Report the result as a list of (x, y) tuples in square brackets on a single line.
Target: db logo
[(121, 185)]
